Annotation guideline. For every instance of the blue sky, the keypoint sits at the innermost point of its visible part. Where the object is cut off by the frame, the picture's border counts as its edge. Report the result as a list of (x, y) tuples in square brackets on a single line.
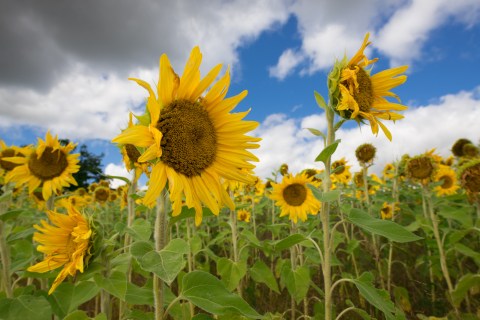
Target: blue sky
[(65, 68)]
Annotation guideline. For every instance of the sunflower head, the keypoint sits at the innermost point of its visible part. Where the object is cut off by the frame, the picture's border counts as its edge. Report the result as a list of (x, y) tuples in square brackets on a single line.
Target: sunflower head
[(457, 148), (48, 165), (447, 176), (358, 179), (294, 197), (365, 153), (389, 171), (101, 194), (314, 174), (243, 215), (81, 192), (387, 210), (420, 168), (470, 150), (65, 242), (190, 139), (283, 169), (7, 152), (356, 94), (341, 172), (469, 175)]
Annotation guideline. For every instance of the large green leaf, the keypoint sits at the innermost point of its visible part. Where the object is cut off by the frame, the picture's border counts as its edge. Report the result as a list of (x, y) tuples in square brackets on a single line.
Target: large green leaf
[(327, 152), (139, 295), (297, 282), (25, 307), (231, 272), (140, 230), (328, 196), (463, 285), (378, 298), (385, 228), (261, 273), (210, 294), (166, 263), (289, 241), (115, 284), (67, 297)]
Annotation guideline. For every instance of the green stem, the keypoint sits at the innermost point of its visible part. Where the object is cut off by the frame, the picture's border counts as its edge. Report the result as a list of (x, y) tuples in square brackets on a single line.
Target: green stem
[(190, 261), (5, 257), (160, 222), (438, 239)]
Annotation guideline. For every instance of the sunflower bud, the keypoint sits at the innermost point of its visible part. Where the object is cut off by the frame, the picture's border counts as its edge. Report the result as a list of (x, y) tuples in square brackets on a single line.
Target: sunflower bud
[(420, 167), (365, 153), (457, 148), (284, 169)]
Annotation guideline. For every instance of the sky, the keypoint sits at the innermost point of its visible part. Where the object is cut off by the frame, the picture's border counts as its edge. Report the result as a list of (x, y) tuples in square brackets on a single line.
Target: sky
[(65, 67)]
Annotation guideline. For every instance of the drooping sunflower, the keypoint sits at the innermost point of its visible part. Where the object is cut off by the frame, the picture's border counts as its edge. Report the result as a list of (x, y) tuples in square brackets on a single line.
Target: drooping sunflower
[(449, 178), (360, 96), (49, 165), (65, 242), (294, 197), (192, 140)]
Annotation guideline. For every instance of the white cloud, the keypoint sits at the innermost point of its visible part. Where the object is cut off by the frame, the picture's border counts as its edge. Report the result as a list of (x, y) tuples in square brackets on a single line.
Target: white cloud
[(286, 63), (118, 170), (403, 42), (437, 125)]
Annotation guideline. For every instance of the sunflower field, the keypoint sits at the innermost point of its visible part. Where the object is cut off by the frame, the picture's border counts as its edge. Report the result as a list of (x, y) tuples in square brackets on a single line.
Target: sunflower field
[(208, 239)]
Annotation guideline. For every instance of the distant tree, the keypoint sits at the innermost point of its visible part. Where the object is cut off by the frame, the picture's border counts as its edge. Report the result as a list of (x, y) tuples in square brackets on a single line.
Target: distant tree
[(90, 167)]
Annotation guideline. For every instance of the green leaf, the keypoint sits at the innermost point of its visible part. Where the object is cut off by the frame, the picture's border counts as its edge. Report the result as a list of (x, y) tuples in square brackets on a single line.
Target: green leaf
[(139, 295), (77, 315), (231, 272), (461, 215), (126, 180), (210, 294), (261, 273), (320, 100), (141, 230), (463, 285), (166, 263), (376, 297), (385, 228), (328, 196), (25, 307), (115, 284), (297, 282), (189, 213), (463, 249), (67, 297), (289, 241), (317, 133), (327, 152), (12, 214)]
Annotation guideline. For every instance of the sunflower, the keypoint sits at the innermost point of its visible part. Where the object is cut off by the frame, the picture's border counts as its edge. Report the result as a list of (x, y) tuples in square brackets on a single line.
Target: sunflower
[(192, 141), (388, 210), (449, 178), (243, 215), (361, 96), (294, 197), (341, 172), (389, 171), (65, 243), (49, 165), (7, 152)]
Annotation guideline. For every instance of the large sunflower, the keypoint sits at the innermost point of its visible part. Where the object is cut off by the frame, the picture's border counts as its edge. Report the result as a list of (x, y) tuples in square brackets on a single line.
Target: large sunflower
[(449, 178), (294, 197), (49, 165), (192, 140), (65, 243), (361, 96)]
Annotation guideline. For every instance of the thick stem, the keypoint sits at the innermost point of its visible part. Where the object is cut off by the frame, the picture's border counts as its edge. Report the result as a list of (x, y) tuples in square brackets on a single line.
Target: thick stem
[(190, 261), (438, 239), (160, 222), (325, 217), (5, 257)]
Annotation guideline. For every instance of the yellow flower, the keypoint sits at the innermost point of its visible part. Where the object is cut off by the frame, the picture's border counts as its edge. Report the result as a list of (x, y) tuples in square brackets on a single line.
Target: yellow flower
[(449, 178), (243, 215), (388, 209), (192, 141), (362, 96), (343, 174), (7, 152), (294, 198), (389, 171), (49, 165), (65, 243)]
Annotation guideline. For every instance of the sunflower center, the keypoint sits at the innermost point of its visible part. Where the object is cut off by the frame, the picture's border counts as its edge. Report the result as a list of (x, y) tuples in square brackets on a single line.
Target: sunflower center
[(189, 142), (364, 95), (6, 165), (295, 194), (420, 168), (49, 165), (132, 152), (101, 194), (447, 182)]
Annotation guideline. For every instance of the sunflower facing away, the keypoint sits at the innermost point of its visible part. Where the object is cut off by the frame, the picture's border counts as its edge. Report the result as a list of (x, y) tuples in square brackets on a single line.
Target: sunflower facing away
[(48, 165), (192, 140), (362, 96), (65, 243), (294, 198)]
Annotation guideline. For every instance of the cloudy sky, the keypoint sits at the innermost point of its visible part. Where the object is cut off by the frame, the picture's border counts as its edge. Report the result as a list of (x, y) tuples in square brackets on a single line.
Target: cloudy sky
[(64, 67)]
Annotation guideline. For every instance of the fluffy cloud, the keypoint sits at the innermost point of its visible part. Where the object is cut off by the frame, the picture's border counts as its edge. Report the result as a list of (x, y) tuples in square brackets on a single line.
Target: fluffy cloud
[(286, 63), (437, 125), (64, 65), (118, 170)]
